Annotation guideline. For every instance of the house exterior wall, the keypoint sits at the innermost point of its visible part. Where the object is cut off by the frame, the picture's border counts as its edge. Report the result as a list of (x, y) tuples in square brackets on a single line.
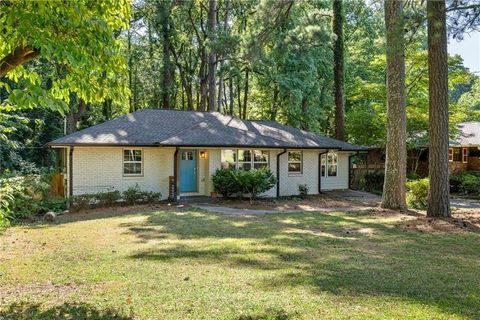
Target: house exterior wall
[(100, 169)]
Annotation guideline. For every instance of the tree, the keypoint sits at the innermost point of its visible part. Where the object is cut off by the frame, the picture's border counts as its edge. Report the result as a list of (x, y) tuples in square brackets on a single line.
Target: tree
[(77, 37), (338, 69), (394, 191), (438, 196), (212, 57)]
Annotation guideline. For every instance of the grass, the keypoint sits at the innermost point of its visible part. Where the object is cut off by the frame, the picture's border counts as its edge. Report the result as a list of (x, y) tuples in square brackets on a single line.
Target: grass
[(187, 264)]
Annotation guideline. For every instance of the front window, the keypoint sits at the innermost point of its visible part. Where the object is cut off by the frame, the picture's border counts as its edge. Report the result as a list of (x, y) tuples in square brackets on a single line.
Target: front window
[(295, 161), (244, 159), (464, 155), (132, 162), (450, 154), (329, 165), (457, 154), (332, 163)]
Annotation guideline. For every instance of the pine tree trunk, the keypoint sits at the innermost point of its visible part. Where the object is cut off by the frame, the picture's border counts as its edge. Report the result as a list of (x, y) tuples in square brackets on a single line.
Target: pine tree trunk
[(245, 96), (338, 69), (231, 95), (438, 196), (163, 17), (396, 149), (212, 57)]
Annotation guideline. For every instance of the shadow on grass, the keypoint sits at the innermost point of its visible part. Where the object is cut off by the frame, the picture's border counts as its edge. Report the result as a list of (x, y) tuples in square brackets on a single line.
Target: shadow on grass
[(339, 253), (21, 311)]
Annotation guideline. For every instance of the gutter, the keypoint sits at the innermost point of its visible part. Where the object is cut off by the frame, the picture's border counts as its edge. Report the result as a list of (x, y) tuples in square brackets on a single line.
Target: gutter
[(278, 171), (70, 176), (175, 175)]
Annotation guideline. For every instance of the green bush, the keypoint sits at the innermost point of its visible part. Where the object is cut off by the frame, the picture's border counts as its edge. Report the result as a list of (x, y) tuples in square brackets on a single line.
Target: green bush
[(374, 181), (466, 183), (225, 182), (109, 198), (303, 190), (417, 193), (255, 181), (22, 196), (134, 195)]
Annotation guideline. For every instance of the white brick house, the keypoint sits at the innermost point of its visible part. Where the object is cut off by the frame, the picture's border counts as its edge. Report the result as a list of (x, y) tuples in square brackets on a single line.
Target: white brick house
[(176, 153)]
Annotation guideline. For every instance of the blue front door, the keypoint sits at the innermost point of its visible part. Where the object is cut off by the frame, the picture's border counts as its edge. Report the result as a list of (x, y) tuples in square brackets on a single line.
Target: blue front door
[(188, 171)]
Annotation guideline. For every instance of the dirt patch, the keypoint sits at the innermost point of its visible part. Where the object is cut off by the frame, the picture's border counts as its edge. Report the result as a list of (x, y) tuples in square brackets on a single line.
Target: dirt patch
[(460, 222), (310, 203), (8, 294)]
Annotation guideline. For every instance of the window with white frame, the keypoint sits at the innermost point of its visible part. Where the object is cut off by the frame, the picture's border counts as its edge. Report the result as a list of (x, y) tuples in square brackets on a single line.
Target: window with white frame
[(244, 159), (464, 155), (450, 154), (329, 164), (132, 162), (295, 159), (332, 164)]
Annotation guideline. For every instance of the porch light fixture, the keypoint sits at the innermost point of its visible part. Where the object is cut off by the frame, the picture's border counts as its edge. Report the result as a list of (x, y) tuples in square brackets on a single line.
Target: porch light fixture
[(203, 154)]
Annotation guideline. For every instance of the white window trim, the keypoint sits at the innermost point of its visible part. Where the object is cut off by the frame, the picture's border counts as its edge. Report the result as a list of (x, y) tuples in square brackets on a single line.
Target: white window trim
[(301, 163), (450, 154), (464, 155), (141, 163), (326, 165)]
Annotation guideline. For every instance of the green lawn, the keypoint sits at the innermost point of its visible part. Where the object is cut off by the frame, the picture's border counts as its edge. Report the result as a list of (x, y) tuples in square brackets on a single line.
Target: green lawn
[(186, 264)]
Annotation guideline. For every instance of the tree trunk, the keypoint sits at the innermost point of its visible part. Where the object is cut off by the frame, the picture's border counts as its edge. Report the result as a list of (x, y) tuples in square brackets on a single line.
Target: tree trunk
[(203, 83), (245, 96), (75, 114), (222, 73), (130, 71), (231, 95), (396, 150), (338, 69), (438, 195), (273, 113), (304, 125), (163, 19), (212, 57)]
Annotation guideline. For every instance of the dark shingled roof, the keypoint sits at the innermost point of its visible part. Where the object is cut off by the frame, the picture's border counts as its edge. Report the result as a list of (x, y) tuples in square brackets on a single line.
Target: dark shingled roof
[(159, 127)]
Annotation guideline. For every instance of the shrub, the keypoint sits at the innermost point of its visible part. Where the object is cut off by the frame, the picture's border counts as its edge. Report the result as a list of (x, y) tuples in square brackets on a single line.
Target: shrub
[(255, 181), (303, 190), (22, 196), (134, 195), (374, 181), (225, 182), (108, 198), (466, 183), (417, 195)]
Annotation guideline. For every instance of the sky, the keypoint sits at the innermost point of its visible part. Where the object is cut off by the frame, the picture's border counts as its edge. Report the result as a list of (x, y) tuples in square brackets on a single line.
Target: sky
[(468, 49)]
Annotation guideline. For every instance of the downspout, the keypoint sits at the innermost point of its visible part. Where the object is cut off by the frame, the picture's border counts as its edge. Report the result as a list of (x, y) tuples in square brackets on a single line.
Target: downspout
[(175, 174), (70, 176), (278, 171), (320, 171)]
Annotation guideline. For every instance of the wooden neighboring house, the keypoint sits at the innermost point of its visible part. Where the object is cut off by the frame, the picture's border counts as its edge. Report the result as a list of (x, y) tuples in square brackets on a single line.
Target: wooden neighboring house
[(463, 154), (177, 152)]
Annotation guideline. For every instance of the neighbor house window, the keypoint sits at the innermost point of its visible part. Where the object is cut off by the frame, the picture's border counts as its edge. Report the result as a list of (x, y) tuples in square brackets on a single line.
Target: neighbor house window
[(332, 163), (244, 159), (457, 154), (295, 161), (132, 162), (464, 155), (450, 154), (329, 164)]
